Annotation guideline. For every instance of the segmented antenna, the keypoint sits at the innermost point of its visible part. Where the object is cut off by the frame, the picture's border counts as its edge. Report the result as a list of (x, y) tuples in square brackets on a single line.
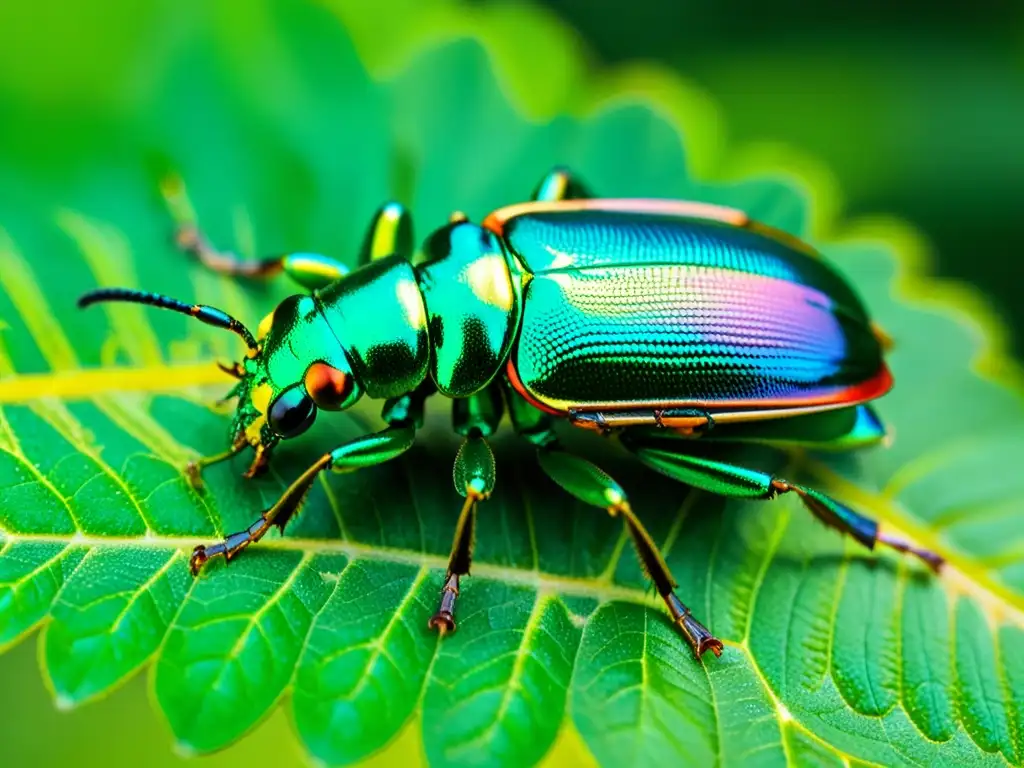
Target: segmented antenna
[(209, 315)]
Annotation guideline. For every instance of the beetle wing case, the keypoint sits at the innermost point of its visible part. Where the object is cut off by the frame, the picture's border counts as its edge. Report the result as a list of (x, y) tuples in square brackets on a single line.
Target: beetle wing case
[(627, 308)]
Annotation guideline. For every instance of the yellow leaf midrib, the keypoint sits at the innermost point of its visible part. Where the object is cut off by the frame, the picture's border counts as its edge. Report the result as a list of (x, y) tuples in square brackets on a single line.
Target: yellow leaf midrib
[(85, 383), (540, 580), (600, 589)]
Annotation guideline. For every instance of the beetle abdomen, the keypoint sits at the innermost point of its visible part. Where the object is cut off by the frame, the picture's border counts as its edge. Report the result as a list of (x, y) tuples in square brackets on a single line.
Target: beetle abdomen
[(690, 335)]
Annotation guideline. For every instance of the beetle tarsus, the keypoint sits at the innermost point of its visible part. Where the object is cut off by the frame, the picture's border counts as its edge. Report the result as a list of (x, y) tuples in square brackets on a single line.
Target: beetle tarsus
[(227, 549), (929, 558), (697, 635), (231, 546), (863, 529), (444, 620), (190, 240)]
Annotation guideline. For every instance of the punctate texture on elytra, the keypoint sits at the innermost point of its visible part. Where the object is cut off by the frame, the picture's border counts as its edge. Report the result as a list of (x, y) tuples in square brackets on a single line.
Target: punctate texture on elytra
[(831, 654)]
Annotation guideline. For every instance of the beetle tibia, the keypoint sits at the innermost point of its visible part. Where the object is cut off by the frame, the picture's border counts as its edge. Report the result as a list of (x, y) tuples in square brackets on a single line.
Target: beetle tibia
[(697, 635), (444, 620)]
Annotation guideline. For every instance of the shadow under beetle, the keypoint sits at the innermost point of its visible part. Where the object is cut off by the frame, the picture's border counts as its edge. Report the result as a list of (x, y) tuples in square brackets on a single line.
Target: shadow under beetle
[(660, 322)]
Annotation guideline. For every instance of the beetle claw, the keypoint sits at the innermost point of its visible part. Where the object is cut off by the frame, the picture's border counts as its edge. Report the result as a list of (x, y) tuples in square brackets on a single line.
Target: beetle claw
[(194, 474), (697, 635), (235, 370), (932, 560), (227, 549), (198, 559), (259, 463), (709, 643), (201, 555), (444, 620)]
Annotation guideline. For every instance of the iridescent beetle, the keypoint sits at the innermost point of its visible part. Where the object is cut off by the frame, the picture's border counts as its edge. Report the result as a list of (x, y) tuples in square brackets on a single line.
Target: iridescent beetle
[(659, 322)]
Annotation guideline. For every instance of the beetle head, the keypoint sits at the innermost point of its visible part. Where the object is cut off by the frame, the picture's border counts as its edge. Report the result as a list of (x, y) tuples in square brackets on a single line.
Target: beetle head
[(297, 369), (293, 369)]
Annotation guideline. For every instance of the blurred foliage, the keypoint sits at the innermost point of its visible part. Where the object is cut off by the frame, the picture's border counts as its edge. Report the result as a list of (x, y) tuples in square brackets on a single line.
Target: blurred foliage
[(916, 107)]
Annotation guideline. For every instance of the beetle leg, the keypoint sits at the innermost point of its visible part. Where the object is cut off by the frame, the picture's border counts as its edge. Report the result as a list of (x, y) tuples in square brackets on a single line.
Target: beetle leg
[(592, 486), (279, 514), (560, 184), (727, 479), (408, 408), (863, 529), (310, 270), (358, 453), (389, 233), (475, 418), (474, 479), (459, 560)]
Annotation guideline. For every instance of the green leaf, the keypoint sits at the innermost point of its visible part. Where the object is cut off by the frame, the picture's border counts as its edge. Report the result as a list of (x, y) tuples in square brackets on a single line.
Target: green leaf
[(288, 141)]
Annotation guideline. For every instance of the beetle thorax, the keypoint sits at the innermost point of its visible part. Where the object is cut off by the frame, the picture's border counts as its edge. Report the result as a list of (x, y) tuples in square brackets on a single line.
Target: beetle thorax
[(377, 316), (472, 307)]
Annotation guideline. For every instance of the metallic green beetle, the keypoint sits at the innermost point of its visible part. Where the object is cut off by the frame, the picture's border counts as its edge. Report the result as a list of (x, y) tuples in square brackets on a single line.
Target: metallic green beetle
[(667, 324)]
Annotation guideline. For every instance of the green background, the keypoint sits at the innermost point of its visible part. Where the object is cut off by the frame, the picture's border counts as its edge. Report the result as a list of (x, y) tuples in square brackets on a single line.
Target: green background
[(916, 108), (915, 112)]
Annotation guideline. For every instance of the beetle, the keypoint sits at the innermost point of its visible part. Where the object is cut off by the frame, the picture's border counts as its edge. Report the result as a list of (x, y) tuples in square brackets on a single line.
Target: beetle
[(664, 324)]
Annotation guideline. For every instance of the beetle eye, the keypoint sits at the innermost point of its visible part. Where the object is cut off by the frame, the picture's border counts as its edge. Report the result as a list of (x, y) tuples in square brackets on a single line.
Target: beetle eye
[(329, 387), (292, 412)]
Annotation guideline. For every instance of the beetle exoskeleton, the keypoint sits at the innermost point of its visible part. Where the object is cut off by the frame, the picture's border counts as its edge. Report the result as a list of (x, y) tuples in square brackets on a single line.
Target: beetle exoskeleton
[(666, 324)]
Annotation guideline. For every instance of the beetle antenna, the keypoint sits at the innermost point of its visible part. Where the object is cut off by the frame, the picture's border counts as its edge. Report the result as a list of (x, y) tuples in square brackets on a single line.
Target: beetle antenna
[(209, 315)]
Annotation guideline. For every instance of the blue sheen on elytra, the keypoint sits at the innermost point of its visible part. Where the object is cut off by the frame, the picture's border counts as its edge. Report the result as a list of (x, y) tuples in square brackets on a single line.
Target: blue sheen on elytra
[(685, 334), (658, 308), (559, 240)]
